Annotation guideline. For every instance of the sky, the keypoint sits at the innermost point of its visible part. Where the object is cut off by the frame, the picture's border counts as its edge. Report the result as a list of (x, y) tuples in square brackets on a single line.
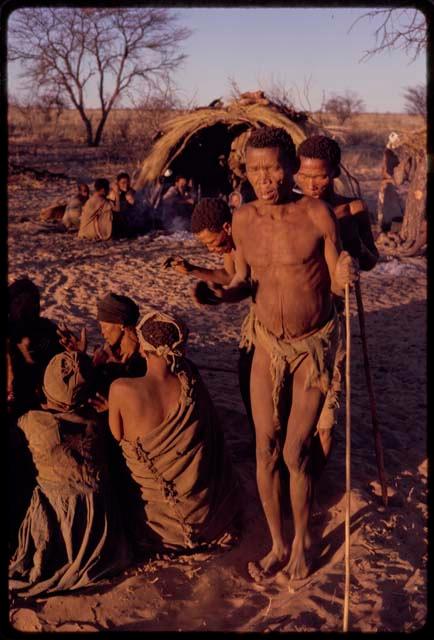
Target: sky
[(293, 47)]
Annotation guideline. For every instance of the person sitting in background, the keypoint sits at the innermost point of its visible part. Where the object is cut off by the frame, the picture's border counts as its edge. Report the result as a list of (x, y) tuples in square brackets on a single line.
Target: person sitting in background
[(172, 442), (72, 535), (122, 194), (96, 221), (123, 198), (74, 206), (177, 204)]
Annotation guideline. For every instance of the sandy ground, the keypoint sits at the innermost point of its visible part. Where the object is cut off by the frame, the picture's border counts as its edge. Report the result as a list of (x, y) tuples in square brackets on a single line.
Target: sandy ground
[(214, 592)]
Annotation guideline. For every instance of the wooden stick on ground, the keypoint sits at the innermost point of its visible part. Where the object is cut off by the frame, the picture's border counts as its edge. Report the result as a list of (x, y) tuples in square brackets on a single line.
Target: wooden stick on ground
[(377, 436), (347, 457)]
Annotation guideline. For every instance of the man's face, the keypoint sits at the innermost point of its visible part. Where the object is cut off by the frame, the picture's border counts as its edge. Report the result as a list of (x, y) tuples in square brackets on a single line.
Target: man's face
[(111, 332), (181, 184), (83, 190), (314, 177), (267, 173), (218, 242), (235, 201), (124, 184)]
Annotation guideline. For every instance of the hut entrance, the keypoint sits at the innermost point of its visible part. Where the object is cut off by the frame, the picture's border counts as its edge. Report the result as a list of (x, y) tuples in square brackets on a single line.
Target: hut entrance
[(205, 159)]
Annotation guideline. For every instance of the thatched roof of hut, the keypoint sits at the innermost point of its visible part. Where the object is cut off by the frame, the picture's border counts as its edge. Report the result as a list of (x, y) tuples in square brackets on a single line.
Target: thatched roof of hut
[(190, 141)]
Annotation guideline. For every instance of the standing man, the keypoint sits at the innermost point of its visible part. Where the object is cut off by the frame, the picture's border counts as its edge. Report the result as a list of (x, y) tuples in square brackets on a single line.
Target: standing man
[(288, 259)]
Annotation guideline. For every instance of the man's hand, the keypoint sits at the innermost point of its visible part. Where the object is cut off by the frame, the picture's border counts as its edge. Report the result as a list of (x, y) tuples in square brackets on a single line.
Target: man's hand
[(203, 293), (99, 403), (179, 264), (101, 355), (69, 341), (346, 271)]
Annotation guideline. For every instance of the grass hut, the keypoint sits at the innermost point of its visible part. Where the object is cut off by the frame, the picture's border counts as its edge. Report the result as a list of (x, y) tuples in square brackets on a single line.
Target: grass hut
[(208, 144)]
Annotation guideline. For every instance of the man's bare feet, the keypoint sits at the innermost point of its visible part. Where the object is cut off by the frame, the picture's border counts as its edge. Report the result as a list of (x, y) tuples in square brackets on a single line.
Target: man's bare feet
[(297, 567), (269, 565)]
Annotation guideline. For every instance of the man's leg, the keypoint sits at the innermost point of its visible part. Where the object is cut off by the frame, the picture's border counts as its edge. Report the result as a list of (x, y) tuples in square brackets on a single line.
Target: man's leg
[(244, 372), (268, 453), (297, 452)]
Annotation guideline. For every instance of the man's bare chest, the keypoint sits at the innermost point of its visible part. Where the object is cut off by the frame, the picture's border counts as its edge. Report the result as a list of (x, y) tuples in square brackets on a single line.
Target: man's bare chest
[(291, 240)]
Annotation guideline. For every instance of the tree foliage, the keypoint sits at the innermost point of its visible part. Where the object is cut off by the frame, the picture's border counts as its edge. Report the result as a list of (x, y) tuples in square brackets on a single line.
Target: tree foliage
[(344, 106), (415, 100), (403, 29), (111, 53)]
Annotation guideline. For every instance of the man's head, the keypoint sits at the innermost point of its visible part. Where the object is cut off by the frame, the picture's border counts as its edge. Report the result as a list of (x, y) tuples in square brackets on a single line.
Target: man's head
[(101, 186), (319, 158), (163, 336), (24, 301), (115, 314), (123, 181), (270, 162), (181, 182), (211, 223), (235, 200)]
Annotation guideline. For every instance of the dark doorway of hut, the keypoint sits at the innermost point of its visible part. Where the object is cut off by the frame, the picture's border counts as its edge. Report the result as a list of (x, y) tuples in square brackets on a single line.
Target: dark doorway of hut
[(205, 160)]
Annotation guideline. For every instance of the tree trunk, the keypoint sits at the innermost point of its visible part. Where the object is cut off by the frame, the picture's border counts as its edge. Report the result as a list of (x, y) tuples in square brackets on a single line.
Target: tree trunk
[(100, 129), (413, 228)]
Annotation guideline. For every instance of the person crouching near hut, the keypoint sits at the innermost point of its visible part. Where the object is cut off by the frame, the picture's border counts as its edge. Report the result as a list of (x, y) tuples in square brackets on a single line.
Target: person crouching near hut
[(172, 442), (71, 536), (319, 160), (74, 206), (123, 197), (96, 222), (211, 223)]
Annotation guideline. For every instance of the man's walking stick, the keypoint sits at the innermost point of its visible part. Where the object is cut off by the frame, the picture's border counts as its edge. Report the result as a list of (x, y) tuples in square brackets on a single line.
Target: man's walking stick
[(347, 457), (377, 436)]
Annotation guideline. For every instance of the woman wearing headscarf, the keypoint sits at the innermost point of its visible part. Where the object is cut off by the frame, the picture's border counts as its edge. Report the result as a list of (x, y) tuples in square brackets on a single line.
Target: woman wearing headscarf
[(71, 536), (171, 439)]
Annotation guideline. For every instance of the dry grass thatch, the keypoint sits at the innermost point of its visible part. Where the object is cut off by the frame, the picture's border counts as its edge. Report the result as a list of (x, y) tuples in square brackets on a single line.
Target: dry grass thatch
[(180, 130)]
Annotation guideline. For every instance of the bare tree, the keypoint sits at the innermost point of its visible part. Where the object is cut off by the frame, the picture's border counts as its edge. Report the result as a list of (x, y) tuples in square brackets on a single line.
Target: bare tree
[(344, 106), (397, 29), (112, 52), (415, 100)]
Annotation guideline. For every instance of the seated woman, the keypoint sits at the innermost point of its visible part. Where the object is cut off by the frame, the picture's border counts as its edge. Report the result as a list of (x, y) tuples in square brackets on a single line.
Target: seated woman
[(172, 442), (96, 220), (71, 536)]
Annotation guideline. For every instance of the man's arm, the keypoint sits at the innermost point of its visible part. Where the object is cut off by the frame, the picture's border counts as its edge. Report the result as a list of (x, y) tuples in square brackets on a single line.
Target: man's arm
[(341, 267), (219, 276), (368, 257), (115, 417), (239, 286)]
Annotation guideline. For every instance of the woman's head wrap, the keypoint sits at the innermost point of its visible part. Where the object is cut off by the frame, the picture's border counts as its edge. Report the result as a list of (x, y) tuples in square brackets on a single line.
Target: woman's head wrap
[(173, 352), (118, 309), (66, 378)]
